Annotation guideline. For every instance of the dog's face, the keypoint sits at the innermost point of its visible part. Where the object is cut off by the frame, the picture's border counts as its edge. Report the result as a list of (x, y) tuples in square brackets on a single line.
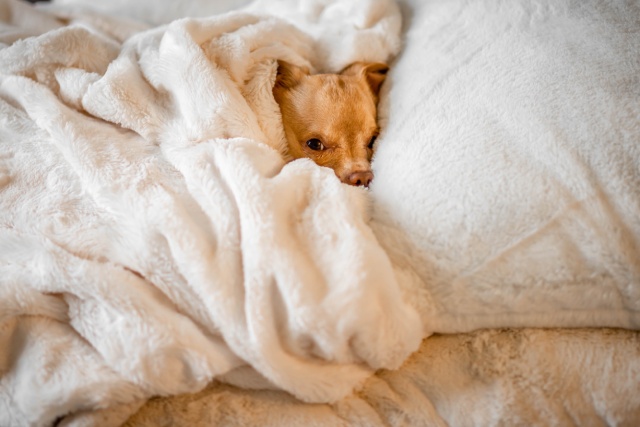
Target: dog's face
[(331, 118)]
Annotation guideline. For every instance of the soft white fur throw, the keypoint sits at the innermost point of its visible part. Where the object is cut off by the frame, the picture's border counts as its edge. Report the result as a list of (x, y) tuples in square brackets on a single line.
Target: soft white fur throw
[(145, 209), (153, 238)]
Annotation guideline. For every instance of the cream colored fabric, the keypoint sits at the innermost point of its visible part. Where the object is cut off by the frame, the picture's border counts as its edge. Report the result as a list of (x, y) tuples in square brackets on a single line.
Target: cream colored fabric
[(507, 185), (152, 237), (487, 378), (147, 212)]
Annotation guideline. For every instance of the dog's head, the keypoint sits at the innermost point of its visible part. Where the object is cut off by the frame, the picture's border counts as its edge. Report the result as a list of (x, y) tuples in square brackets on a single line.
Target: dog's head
[(331, 118)]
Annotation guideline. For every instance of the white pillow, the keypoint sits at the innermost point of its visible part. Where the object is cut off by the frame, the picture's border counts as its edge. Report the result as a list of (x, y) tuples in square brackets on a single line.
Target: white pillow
[(508, 173)]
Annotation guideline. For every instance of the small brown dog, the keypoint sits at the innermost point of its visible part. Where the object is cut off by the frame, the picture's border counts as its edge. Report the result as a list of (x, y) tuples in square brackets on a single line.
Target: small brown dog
[(331, 118)]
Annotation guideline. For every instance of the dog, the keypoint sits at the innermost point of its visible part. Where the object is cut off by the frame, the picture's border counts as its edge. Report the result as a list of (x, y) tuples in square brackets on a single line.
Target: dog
[(332, 118)]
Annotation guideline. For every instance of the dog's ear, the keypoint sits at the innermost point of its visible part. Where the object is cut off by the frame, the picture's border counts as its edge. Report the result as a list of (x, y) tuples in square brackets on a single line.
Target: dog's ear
[(289, 75), (373, 72)]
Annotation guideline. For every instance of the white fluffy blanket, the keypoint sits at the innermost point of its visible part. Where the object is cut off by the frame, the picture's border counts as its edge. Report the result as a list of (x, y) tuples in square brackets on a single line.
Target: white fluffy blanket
[(153, 238), (146, 212), (522, 377)]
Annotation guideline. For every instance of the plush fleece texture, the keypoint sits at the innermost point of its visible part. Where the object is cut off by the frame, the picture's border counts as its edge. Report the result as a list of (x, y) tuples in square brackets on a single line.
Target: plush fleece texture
[(153, 237), (148, 212)]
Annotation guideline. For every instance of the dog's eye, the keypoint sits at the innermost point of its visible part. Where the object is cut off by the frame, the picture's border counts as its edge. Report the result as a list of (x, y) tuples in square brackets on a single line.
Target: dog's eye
[(372, 141), (315, 144)]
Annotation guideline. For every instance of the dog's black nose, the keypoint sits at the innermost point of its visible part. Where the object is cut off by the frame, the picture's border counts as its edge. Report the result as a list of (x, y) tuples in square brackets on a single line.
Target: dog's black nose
[(360, 178)]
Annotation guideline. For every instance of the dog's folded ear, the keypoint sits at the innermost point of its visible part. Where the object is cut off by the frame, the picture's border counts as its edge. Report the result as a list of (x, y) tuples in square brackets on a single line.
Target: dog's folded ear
[(289, 75), (373, 72)]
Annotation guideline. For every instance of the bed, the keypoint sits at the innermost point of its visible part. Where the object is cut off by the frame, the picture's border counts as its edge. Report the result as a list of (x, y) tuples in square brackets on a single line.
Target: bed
[(163, 263)]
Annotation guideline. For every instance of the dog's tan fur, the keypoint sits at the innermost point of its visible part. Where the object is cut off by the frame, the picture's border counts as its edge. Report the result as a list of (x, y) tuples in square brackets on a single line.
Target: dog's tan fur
[(338, 111)]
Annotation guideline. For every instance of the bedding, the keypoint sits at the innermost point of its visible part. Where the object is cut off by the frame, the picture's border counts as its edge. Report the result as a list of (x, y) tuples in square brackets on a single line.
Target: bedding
[(154, 239)]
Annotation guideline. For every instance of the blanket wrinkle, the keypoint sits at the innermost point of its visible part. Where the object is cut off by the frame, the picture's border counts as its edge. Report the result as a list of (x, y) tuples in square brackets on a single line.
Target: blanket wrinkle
[(364, 29), (146, 192), (551, 225), (27, 56)]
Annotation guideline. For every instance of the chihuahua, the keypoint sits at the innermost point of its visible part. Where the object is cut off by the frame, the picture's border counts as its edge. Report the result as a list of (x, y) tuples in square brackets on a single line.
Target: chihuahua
[(331, 118)]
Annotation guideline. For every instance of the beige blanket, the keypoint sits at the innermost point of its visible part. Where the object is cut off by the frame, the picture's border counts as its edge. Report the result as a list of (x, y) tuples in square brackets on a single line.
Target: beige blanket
[(487, 378)]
